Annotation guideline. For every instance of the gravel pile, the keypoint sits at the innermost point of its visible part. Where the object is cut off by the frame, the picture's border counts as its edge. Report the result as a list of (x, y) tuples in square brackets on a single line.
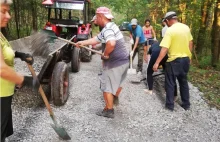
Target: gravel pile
[(139, 117)]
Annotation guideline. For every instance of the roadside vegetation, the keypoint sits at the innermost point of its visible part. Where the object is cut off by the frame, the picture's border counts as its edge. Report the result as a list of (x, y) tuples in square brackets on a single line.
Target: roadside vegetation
[(207, 79)]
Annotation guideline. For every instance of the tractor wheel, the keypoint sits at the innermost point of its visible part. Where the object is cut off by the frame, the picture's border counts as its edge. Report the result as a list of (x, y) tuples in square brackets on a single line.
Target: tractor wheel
[(60, 84), (75, 60), (86, 55)]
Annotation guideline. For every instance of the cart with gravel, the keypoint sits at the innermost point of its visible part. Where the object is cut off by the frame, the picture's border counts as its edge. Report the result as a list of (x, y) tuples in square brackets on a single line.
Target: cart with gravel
[(55, 73), (52, 71)]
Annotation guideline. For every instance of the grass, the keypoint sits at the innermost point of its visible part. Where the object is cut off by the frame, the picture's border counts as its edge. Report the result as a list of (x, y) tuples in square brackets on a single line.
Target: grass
[(208, 82)]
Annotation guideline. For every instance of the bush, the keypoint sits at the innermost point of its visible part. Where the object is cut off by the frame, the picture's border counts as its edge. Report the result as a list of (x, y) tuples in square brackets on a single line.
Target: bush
[(218, 67), (205, 62)]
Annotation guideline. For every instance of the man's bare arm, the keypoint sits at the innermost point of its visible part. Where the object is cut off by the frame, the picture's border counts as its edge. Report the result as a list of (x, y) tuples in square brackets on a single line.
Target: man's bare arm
[(136, 43), (110, 46), (163, 53)]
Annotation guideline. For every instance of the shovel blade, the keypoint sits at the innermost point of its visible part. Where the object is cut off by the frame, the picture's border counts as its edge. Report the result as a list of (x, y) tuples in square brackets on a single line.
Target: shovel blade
[(132, 71), (61, 132), (137, 81)]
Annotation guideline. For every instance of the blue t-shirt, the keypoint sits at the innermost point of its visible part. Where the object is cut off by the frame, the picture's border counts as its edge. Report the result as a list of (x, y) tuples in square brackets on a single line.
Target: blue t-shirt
[(137, 32)]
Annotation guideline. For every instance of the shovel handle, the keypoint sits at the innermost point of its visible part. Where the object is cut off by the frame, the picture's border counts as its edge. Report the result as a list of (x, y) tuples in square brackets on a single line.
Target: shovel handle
[(131, 58), (80, 45), (42, 93)]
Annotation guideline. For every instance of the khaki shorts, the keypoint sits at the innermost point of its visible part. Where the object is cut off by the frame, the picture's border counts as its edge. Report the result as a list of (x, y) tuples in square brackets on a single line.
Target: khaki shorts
[(112, 79)]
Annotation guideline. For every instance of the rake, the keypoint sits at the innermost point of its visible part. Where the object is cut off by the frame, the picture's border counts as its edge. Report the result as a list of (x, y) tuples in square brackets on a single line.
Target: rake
[(139, 81), (40, 43)]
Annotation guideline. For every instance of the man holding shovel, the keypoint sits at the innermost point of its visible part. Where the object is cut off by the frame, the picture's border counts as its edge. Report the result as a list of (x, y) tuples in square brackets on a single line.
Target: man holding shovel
[(139, 41), (115, 59)]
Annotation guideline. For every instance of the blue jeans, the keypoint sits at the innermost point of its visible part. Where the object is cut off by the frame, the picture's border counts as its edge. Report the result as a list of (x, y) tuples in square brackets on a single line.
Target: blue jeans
[(177, 69)]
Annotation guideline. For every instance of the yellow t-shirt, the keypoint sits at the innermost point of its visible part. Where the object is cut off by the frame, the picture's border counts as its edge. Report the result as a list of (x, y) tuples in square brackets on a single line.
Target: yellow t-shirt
[(176, 39), (6, 87)]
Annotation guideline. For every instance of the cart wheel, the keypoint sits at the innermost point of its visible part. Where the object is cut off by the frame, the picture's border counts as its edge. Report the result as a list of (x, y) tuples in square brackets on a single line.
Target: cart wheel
[(86, 56), (60, 84), (75, 60)]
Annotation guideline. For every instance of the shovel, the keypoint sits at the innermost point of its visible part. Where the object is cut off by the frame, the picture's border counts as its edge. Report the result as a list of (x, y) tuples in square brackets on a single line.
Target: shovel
[(139, 81), (131, 70), (59, 130)]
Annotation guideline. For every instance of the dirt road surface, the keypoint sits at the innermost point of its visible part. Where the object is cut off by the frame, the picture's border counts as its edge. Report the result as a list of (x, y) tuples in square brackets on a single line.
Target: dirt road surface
[(140, 117)]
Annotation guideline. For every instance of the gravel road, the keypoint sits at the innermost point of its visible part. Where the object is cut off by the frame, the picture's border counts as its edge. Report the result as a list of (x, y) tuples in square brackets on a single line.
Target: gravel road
[(140, 117)]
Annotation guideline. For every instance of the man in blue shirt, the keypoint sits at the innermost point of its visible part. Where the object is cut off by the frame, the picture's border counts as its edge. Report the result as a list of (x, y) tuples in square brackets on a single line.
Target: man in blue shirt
[(139, 40)]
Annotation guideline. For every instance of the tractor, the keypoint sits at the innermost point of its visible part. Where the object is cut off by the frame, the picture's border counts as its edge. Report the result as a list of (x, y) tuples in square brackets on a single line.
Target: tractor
[(69, 19)]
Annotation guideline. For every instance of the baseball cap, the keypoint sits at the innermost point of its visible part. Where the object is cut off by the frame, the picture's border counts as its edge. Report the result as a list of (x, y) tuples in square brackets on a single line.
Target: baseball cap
[(105, 11), (134, 21), (93, 19), (6, 1), (170, 15)]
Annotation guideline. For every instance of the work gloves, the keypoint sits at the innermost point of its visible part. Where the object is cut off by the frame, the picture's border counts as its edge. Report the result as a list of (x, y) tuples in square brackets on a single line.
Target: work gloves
[(31, 82), (24, 57), (132, 53), (131, 41)]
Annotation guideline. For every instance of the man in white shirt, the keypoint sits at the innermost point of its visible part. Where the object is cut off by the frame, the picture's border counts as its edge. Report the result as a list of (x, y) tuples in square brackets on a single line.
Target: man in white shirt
[(164, 27)]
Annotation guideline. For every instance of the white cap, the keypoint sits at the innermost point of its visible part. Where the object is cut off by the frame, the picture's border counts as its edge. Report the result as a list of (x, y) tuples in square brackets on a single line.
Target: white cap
[(6, 1), (170, 15), (134, 22)]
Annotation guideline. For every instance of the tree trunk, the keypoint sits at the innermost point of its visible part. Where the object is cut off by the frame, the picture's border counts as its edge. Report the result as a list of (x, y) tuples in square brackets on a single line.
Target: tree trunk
[(34, 14), (182, 7), (216, 35), (16, 11), (202, 30), (166, 6)]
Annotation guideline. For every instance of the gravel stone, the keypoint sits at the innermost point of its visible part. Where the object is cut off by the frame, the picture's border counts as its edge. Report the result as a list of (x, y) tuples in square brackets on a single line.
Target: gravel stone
[(139, 117)]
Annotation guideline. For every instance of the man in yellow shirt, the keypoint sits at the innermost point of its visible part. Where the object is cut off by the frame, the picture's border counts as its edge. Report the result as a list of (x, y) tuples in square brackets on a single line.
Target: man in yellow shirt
[(177, 42)]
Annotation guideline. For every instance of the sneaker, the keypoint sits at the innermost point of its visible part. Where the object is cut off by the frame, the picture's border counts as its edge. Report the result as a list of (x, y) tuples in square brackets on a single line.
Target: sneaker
[(169, 109), (116, 101), (148, 91), (185, 107), (109, 113)]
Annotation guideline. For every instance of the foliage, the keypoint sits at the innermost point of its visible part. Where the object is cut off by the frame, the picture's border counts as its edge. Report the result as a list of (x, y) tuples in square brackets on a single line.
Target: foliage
[(208, 82), (205, 62), (197, 14), (24, 13)]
